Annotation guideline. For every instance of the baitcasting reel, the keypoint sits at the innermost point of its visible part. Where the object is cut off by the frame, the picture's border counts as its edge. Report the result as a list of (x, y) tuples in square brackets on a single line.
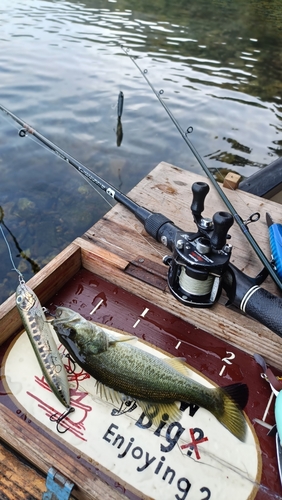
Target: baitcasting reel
[(198, 260)]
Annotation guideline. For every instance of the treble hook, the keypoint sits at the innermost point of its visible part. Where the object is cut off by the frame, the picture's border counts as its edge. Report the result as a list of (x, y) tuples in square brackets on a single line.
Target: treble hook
[(58, 420), (70, 369), (253, 218)]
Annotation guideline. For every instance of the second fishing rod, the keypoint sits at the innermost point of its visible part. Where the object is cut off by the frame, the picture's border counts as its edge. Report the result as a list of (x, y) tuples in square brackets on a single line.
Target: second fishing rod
[(221, 193), (199, 263)]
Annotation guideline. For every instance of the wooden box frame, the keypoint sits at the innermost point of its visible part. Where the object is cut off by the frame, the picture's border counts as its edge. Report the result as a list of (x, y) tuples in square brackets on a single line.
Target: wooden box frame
[(99, 255)]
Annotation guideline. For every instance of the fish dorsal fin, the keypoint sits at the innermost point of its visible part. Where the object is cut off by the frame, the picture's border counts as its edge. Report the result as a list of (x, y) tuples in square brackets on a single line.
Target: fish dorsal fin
[(125, 338), (178, 364), (160, 412)]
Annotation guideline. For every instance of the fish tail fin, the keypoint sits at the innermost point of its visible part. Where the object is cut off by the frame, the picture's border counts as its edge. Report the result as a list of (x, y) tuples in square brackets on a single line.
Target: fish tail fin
[(233, 399)]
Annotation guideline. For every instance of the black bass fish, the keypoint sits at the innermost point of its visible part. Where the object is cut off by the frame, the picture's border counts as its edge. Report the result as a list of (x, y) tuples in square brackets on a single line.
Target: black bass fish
[(39, 331), (155, 384)]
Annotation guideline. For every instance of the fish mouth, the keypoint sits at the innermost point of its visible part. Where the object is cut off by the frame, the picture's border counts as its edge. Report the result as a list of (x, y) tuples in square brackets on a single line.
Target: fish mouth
[(61, 329), (63, 332), (63, 321), (65, 314)]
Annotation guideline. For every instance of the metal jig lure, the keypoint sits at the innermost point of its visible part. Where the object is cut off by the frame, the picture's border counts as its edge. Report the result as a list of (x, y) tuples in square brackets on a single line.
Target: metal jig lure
[(40, 333)]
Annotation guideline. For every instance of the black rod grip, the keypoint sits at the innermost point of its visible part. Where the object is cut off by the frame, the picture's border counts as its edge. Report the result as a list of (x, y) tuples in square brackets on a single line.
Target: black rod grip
[(264, 307)]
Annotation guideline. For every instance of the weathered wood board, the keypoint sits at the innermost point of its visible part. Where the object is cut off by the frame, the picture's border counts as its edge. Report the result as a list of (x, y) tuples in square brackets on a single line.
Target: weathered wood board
[(109, 249), (167, 189), (18, 480)]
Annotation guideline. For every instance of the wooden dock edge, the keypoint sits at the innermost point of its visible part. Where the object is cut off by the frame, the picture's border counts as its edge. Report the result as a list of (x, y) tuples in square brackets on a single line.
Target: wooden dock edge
[(43, 453), (45, 283)]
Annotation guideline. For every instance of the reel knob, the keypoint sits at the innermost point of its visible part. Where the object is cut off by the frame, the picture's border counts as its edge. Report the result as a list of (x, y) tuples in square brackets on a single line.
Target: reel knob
[(222, 223), (200, 191)]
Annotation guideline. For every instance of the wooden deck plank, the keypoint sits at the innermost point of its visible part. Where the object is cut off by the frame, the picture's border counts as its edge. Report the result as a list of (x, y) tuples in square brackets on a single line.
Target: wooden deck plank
[(18, 481), (168, 187), (43, 452), (172, 197)]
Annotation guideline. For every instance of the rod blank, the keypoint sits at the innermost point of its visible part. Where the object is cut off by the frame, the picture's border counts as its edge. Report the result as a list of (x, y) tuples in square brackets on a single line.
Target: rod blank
[(221, 193)]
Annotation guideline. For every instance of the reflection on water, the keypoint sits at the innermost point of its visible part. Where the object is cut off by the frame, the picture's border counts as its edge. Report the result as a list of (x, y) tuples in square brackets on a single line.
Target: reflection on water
[(62, 70)]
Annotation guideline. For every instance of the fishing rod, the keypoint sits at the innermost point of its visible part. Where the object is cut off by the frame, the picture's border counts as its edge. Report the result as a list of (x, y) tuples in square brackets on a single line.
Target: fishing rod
[(199, 266), (221, 193), (92, 178)]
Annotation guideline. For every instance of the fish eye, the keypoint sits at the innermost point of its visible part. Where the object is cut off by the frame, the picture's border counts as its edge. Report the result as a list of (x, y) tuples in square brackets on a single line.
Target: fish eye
[(58, 313), (19, 299)]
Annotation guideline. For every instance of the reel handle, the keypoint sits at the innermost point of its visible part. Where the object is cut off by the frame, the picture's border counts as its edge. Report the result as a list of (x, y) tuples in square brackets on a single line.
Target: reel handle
[(200, 191), (222, 223)]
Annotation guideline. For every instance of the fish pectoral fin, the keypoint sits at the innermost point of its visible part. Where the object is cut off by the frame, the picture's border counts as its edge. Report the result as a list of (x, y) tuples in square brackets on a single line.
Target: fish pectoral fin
[(158, 412), (107, 393), (179, 364)]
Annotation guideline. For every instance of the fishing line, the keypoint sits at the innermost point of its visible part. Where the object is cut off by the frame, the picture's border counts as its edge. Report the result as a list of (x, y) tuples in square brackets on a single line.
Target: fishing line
[(35, 267), (14, 268), (221, 193)]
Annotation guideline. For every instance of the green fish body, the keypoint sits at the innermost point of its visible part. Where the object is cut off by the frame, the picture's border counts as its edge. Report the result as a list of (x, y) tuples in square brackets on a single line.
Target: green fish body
[(156, 384), (39, 331)]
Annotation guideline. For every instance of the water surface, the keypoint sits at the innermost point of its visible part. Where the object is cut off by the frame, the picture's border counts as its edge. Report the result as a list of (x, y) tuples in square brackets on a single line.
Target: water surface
[(61, 70)]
